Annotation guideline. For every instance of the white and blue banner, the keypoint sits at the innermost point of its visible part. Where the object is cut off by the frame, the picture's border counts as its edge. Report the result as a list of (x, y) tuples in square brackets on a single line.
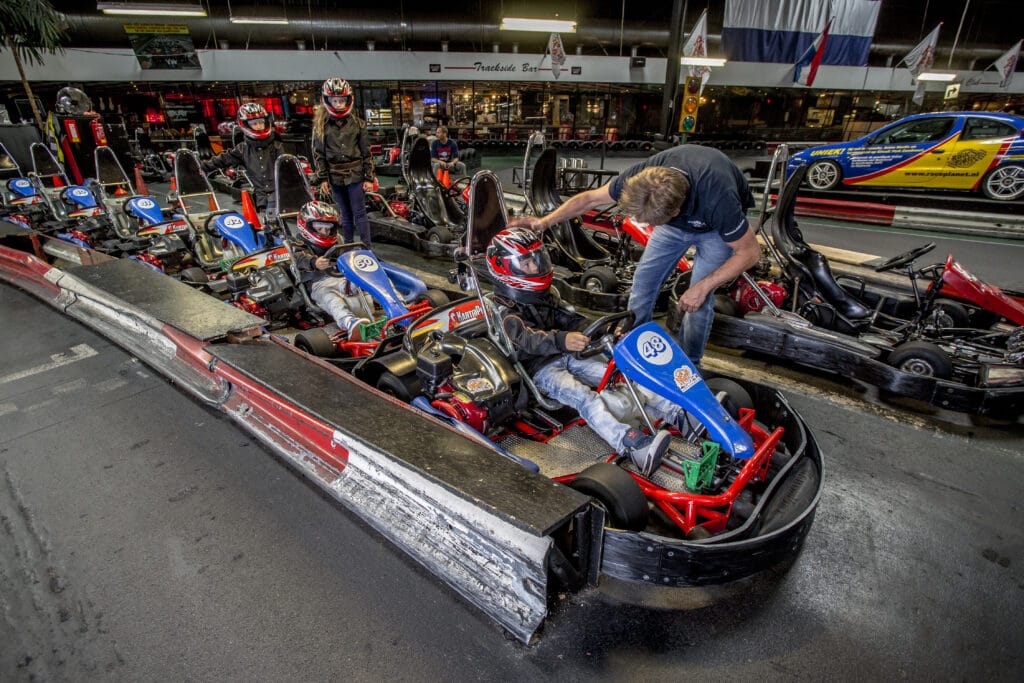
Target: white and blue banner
[(782, 30)]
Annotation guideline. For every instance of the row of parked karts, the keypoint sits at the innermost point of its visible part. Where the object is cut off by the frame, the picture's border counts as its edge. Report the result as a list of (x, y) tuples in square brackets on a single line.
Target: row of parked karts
[(744, 467)]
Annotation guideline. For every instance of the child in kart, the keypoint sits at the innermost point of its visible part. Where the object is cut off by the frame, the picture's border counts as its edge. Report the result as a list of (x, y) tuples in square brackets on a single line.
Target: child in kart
[(318, 229), (546, 333), (258, 153)]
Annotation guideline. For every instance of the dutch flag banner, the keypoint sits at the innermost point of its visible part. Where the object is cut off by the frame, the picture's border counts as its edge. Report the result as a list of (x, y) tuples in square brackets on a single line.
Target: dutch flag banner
[(807, 66)]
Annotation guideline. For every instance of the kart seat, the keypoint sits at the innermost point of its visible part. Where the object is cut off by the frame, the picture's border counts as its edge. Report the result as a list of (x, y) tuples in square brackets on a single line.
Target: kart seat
[(810, 266), (427, 193)]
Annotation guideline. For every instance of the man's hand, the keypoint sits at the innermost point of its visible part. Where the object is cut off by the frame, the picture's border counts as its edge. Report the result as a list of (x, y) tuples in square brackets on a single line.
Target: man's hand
[(576, 341), (322, 263), (325, 187), (692, 299), (367, 186), (528, 222)]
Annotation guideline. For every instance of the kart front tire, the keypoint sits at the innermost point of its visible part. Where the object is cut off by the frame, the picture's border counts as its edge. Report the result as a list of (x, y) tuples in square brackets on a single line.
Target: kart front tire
[(793, 496), (439, 235), (617, 493), (922, 358), (736, 397), (951, 314), (1004, 183), (194, 276), (823, 175), (316, 341), (599, 279), (435, 297)]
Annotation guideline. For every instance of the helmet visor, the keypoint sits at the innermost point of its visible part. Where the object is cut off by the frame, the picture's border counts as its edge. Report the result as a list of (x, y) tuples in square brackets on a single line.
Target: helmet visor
[(322, 227), (340, 101), (258, 124), (533, 264)]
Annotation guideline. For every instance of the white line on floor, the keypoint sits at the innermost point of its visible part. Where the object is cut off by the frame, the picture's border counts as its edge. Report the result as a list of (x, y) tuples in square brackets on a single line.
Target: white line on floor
[(78, 352)]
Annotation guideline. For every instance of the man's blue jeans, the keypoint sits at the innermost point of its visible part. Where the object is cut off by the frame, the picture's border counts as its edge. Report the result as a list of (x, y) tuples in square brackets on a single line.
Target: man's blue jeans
[(665, 247)]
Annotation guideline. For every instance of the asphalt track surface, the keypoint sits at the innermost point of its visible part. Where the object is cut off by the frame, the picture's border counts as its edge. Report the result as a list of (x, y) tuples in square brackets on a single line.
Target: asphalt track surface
[(145, 537)]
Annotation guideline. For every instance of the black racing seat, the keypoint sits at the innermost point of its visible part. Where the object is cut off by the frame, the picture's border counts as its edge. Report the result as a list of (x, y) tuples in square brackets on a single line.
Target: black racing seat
[(810, 266), (569, 237), (430, 197)]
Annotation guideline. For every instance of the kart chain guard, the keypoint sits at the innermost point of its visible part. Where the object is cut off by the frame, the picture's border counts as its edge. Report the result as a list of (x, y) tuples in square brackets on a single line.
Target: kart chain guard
[(649, 357)]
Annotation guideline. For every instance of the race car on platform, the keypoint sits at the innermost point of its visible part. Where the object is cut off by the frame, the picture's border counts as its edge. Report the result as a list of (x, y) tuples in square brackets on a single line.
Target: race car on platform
[(970, 151)]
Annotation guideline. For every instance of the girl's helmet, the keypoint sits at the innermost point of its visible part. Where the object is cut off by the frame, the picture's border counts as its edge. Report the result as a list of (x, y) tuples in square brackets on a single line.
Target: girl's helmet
[(255, 121), (318, 226), (338, 97), (518, 262)]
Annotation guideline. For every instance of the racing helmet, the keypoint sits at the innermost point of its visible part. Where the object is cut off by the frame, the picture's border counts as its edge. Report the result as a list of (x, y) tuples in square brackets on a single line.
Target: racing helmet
[(225, 128), (252, 114), (73, 102), (518, 262), (318, 226), (338, 90)]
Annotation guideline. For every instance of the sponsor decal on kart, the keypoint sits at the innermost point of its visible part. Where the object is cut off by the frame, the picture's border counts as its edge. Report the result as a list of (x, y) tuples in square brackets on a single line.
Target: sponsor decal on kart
[(79, 192), (270, 258), (163, 229), (34, 199), (233, 222), (685, 378), (459, 315), (90, 212), (146, 203), (654, 348), (22, 183)]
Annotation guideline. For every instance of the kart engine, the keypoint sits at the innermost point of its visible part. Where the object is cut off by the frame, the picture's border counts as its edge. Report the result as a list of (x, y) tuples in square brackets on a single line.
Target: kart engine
[(267, 287), (749, 299), (469, 379)]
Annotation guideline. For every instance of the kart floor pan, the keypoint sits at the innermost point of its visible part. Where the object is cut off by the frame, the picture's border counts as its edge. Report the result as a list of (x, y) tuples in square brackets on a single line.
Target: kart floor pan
[(579, 447)]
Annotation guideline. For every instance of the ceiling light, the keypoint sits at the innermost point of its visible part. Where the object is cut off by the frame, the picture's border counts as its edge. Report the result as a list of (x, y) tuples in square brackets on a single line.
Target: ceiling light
[(235, 19), (702, 61), (935, 76), (545, 25), (156, 9)]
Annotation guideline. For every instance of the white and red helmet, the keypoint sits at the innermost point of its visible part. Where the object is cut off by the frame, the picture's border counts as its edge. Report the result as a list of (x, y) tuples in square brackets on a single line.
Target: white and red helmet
[(255, 121), (318, 226), (518, 261), (225, 128), (338, 97)]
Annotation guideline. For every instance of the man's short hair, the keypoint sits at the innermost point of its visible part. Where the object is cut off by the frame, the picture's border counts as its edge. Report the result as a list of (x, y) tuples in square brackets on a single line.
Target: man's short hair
[(442, 130), (654, 195)]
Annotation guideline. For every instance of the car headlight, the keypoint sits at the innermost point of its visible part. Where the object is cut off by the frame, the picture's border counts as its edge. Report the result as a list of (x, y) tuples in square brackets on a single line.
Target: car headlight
[(1001, 375)]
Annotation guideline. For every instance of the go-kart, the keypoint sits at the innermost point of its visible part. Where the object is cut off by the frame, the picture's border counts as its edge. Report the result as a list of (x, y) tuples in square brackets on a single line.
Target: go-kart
[(591, 273), (908, 346), (741, 475), (430, 219)]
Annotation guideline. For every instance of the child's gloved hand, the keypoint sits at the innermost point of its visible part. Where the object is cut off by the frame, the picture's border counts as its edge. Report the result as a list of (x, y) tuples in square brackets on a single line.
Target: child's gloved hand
[(576, 341), (322, 263)]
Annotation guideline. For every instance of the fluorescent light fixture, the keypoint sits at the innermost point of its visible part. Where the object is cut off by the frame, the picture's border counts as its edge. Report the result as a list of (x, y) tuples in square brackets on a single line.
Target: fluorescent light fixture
[(545, 25), (235, 19), (153, 9), (935, 76), (702, 61)]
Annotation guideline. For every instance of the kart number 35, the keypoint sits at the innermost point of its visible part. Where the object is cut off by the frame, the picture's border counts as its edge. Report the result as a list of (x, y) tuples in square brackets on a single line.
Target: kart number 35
[(654, 348)]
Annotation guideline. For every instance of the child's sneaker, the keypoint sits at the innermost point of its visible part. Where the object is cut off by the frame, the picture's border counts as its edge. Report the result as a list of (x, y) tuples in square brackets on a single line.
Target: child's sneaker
[(646, 451)]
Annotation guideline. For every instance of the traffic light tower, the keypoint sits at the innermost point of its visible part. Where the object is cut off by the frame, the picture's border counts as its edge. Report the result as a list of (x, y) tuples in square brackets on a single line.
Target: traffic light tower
[(691, 104)]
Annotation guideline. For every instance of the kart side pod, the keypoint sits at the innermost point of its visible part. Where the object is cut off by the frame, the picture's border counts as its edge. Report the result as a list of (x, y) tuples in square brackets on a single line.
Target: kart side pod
[(649, 357)]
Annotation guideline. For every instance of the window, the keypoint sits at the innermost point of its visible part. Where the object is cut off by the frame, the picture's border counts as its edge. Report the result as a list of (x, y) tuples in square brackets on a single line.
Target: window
[(919, 130), (978, 128)]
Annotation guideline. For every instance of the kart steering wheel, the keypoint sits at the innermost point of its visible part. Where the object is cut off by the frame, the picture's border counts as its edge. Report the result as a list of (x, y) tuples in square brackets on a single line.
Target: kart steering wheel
[(904, 259), (603, 327), (332, 253)]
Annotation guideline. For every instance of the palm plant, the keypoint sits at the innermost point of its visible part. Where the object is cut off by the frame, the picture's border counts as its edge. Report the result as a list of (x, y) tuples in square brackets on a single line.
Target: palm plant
[(29, 28)]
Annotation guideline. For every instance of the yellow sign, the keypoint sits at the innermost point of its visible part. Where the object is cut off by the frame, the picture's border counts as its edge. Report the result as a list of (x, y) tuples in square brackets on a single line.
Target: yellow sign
[(176, 29)]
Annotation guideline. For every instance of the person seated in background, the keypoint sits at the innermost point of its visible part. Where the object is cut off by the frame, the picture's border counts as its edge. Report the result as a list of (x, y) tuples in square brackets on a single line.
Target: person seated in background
[(444, 153), (318, 230), (547, 336)]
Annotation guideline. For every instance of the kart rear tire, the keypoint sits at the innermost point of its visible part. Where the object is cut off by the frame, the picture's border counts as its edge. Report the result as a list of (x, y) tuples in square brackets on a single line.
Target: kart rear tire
[(921, 358), (823, 175), (194, 276), (953, 314), (617, 493), (736, 397), (793, 496), (435, 297), (599, 279), (439, 235), (316, 341), (403, 388)]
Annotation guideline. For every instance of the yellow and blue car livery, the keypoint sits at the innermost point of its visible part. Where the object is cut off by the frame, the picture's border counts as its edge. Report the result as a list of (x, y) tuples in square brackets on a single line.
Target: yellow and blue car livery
[(943, 150)]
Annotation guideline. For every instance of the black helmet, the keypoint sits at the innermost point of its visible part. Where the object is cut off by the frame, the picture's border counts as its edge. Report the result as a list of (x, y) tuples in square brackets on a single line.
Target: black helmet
[(520, 267), (73, 102)]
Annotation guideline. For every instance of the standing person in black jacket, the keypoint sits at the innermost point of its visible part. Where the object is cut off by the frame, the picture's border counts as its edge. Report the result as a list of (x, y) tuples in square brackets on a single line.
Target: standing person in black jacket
[(341, 157), (257, 153)]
